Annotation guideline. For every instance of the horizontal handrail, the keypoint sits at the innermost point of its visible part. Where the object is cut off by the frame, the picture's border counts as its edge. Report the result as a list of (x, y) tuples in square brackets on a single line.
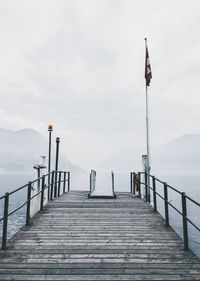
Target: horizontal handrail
[(38, 179), (162, 182), (34, 181), (193, 224), (14, 211), (18, 189), (192, 200), (163, 198), (174, 208), (169, 201)]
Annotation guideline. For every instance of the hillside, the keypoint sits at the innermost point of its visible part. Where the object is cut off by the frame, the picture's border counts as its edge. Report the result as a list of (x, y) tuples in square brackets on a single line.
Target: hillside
[(124, 160), (181, 155), (20, 150)]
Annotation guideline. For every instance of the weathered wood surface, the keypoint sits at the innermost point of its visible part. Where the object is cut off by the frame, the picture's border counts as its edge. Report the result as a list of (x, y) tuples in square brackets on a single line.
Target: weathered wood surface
[(76, 238)]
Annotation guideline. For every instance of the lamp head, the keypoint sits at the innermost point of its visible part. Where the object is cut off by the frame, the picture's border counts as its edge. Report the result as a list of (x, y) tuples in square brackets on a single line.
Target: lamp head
[(50, 127)]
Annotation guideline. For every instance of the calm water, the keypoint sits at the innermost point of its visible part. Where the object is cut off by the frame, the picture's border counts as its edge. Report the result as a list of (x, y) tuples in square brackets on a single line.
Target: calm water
[(190, 184)]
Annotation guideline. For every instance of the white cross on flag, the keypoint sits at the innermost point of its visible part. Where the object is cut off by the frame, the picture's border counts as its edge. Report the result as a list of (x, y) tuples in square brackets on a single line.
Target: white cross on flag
[(148, 73)]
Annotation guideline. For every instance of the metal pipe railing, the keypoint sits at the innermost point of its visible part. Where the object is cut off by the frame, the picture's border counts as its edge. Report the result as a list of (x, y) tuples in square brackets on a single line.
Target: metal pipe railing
[(166, 187), (49, 187)]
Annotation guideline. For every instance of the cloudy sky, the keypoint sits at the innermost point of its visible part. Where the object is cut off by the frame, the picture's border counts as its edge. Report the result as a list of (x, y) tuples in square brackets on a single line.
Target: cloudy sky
[(79, 64)]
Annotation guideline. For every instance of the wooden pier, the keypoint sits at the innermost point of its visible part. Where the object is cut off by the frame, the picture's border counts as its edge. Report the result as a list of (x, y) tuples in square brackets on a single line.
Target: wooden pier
[(76, 238)]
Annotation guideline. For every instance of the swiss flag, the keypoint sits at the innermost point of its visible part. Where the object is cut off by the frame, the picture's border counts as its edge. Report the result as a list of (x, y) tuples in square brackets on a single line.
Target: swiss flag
[(148, 73)]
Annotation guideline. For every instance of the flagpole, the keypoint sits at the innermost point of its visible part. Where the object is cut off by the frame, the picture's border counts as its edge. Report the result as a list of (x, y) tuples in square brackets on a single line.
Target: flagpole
[(147, 137), (147, 127)]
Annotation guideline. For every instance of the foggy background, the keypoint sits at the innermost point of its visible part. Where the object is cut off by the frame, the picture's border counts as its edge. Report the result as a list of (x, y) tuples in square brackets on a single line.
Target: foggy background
[(80, 66)]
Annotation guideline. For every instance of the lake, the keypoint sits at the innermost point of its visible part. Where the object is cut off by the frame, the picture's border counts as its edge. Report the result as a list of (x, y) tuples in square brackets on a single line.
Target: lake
[(184, 183)]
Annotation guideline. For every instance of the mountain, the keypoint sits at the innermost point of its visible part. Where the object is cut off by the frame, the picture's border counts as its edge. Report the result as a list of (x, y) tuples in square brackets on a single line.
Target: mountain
[(124, 160), (20, 150), (179, 156)]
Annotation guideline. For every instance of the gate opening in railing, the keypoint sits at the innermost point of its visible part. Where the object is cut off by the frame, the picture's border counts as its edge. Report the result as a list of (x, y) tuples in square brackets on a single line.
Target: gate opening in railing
[(98, 187)]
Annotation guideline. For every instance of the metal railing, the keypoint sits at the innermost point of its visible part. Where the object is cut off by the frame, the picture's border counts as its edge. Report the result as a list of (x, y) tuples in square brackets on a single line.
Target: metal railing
[(113, 183), (92, 181), (53, 188), (152, 186)]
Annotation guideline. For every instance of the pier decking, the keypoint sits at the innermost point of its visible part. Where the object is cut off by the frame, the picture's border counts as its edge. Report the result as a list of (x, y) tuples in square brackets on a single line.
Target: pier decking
[(76, 238)]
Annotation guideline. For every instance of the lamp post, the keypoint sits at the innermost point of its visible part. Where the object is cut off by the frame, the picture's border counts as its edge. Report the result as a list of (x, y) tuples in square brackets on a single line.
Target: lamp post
[(50, 129)]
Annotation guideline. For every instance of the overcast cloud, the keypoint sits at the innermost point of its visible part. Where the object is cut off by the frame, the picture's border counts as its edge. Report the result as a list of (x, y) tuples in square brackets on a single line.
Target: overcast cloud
[(80, 66)]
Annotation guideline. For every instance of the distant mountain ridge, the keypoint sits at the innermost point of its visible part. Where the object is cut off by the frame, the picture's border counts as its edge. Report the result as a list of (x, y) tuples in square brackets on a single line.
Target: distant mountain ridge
[(179, 156), (20, 150), (124, 160)]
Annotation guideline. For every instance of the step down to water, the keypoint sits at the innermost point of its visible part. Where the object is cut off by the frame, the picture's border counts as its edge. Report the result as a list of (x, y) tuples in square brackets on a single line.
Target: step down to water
[(102, 196)]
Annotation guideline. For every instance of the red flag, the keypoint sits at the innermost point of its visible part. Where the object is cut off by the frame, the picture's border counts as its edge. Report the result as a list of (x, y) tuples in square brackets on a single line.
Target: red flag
[(148, 73)]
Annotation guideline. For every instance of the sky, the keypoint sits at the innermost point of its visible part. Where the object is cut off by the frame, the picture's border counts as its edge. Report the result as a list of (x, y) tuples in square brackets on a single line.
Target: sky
[(79, 65)]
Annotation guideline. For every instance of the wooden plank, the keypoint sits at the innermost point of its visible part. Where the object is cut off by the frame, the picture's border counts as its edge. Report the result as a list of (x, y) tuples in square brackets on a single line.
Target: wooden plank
[(104, 277), (112, 266)]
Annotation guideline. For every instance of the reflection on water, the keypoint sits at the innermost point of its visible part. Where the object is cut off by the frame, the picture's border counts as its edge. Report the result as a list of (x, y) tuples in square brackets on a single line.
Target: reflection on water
[(185, 183)]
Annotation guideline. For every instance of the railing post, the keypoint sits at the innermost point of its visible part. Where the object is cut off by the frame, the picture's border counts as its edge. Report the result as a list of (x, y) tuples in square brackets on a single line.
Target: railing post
[(149, 190), (5, 221), (166, 204), (59, 181), (68, 186), (52, 184), (185, 227), (145, 180), (132, 182), (139, 176), (55, 184), (56, 166), (49, 187), (42, 193), (131, 186), (113, 183), (28, 205), (154, 194), (64, 182), (90, 183)]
